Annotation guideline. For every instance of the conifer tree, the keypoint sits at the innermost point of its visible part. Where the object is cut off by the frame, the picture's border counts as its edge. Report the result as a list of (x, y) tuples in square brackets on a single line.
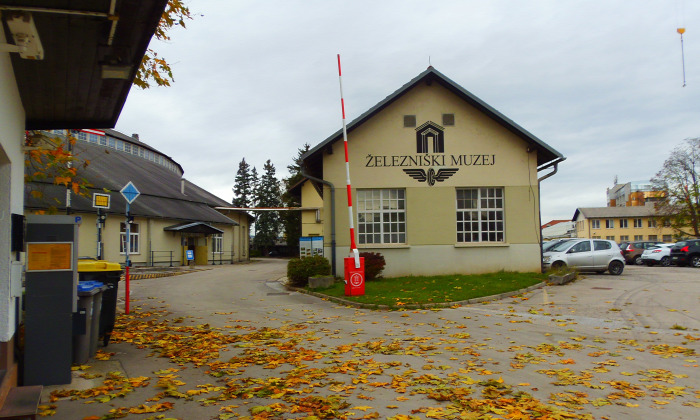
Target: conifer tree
[(243, 187), (267, 224)]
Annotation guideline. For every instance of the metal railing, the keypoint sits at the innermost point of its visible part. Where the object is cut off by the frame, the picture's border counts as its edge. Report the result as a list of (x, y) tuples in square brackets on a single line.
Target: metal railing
[(219, 258), (162, 257)]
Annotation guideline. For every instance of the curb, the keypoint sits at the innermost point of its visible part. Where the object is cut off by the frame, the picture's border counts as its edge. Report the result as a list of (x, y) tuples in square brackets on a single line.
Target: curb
[(378, 307)]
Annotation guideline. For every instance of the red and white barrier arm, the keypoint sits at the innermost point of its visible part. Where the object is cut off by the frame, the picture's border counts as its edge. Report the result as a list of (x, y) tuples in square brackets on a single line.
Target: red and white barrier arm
[(353, 245)]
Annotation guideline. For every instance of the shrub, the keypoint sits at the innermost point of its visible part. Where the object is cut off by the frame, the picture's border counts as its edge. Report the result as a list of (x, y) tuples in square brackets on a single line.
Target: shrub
[(300, 269), (374, 264)]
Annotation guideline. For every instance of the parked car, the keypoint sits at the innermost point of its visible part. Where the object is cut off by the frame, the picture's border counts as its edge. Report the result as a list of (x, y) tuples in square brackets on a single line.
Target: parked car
[(632, 251), (686, 253), (546, 246), (659, 254), (587, 255)]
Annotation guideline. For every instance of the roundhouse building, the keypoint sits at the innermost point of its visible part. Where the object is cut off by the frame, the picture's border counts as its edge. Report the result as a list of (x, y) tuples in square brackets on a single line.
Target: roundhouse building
[(442, 183), (170, 216)]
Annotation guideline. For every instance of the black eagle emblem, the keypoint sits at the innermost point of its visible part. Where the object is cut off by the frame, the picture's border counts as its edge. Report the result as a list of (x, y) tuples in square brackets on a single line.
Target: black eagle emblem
[(431, 177)]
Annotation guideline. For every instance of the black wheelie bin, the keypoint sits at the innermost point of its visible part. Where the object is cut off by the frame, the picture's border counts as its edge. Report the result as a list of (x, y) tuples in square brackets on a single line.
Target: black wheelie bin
[(108, 273)]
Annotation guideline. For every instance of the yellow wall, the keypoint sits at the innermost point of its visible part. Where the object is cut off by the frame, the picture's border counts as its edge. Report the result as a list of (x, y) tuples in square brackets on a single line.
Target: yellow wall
[(431, 210), (152, 237), (309, 224), (239, 242), (585, 229)]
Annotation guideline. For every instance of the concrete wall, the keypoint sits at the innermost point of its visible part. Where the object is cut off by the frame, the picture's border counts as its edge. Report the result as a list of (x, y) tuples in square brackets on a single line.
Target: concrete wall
[(11, 190), (431, 245)]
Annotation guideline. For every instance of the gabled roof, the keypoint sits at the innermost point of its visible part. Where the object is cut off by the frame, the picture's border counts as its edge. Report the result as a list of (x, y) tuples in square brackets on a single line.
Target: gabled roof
[(194, 227), (66, 88), (545, 153), (555, 222)]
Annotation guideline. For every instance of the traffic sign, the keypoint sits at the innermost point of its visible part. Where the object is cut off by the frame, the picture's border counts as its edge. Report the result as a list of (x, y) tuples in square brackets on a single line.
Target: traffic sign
[(130, 192), (100, 201)]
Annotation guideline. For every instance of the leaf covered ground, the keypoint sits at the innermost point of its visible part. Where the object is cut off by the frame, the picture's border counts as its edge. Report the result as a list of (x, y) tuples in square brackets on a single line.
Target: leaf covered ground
[(353, 364)]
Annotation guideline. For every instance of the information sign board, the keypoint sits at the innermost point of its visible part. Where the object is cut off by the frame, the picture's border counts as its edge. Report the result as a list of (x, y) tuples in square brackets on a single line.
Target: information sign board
[(49, 256)]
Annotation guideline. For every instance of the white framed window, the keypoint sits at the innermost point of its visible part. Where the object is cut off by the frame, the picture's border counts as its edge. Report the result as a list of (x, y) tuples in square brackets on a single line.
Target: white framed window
[(94, 138), (595, 224), (120, 145), (624, 238), (217, 243), (623, 223), (112, 143), (653, 238), (133, 238), (103, 140), (381, 216), (609, 223), (667, 238), (637, 224), (638, 237), (610, 238), (480, 215), (651, 223), (127, 147), (142, 151), (82, 135)]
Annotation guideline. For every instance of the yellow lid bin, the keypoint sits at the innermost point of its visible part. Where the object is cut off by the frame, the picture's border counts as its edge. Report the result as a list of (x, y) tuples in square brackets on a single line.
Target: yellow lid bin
[(92, 266), (109, 273)]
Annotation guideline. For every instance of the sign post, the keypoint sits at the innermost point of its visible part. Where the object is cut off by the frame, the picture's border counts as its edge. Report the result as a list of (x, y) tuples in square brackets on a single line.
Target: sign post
[(129, 192), (100, 201)]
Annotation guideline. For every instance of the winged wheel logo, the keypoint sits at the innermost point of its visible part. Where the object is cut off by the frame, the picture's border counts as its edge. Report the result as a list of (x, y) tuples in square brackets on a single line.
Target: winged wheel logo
[(431, 177)]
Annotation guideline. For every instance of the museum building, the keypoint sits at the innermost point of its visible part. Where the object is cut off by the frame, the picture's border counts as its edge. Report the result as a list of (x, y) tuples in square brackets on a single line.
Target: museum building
[(442, 183)]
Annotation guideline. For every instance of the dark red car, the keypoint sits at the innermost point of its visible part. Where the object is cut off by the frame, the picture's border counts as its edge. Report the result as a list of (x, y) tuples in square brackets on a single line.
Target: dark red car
[(632, 251)]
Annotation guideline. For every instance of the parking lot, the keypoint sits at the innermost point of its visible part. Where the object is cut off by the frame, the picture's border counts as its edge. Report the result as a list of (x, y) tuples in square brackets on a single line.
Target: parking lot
[(660, 298)]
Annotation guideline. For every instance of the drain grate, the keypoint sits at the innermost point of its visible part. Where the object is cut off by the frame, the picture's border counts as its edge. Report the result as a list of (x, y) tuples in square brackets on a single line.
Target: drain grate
[(277, 293), (602, 288)]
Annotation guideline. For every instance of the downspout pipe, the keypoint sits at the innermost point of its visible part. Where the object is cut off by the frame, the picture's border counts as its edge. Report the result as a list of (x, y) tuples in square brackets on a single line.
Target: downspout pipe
[(555, 163), (332, 187)]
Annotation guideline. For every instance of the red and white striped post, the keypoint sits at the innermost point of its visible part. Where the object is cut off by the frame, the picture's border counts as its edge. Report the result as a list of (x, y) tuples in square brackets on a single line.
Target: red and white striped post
[(354, 265)]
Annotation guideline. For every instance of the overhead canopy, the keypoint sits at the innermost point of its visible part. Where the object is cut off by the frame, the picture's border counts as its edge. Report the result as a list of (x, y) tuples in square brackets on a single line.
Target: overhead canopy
[(81, 39), (194, 227)]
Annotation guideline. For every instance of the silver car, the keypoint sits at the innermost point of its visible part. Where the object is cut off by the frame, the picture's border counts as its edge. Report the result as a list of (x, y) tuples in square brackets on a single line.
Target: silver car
[(598, 255)]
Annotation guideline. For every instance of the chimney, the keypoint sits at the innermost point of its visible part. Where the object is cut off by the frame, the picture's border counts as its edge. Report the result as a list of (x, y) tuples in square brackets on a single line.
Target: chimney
[(182, 186), (136, 136)]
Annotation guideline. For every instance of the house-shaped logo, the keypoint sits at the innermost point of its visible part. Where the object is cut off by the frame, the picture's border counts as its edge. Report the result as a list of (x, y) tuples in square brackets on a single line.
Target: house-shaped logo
[(430, 135)]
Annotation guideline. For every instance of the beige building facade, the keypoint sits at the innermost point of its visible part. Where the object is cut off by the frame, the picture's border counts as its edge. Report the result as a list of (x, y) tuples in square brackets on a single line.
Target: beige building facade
[(622, 224), (441, 184)]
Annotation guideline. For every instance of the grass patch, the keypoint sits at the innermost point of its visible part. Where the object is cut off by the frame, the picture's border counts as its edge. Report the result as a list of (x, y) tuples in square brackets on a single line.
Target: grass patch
[(421, 290)]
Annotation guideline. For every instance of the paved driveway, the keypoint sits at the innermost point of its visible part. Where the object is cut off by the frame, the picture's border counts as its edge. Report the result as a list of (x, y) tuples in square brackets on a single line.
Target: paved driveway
[(232, 342), (656, 298)]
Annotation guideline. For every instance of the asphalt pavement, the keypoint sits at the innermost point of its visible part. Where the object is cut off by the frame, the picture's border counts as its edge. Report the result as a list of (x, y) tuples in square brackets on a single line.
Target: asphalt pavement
[(233, 342)]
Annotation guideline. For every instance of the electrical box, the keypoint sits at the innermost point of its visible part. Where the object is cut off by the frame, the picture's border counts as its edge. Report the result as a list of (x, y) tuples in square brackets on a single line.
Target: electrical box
[(51, 280)]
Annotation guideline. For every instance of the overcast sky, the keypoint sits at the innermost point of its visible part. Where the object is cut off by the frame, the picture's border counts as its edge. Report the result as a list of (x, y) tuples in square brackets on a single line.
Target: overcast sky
[(599, 81)]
